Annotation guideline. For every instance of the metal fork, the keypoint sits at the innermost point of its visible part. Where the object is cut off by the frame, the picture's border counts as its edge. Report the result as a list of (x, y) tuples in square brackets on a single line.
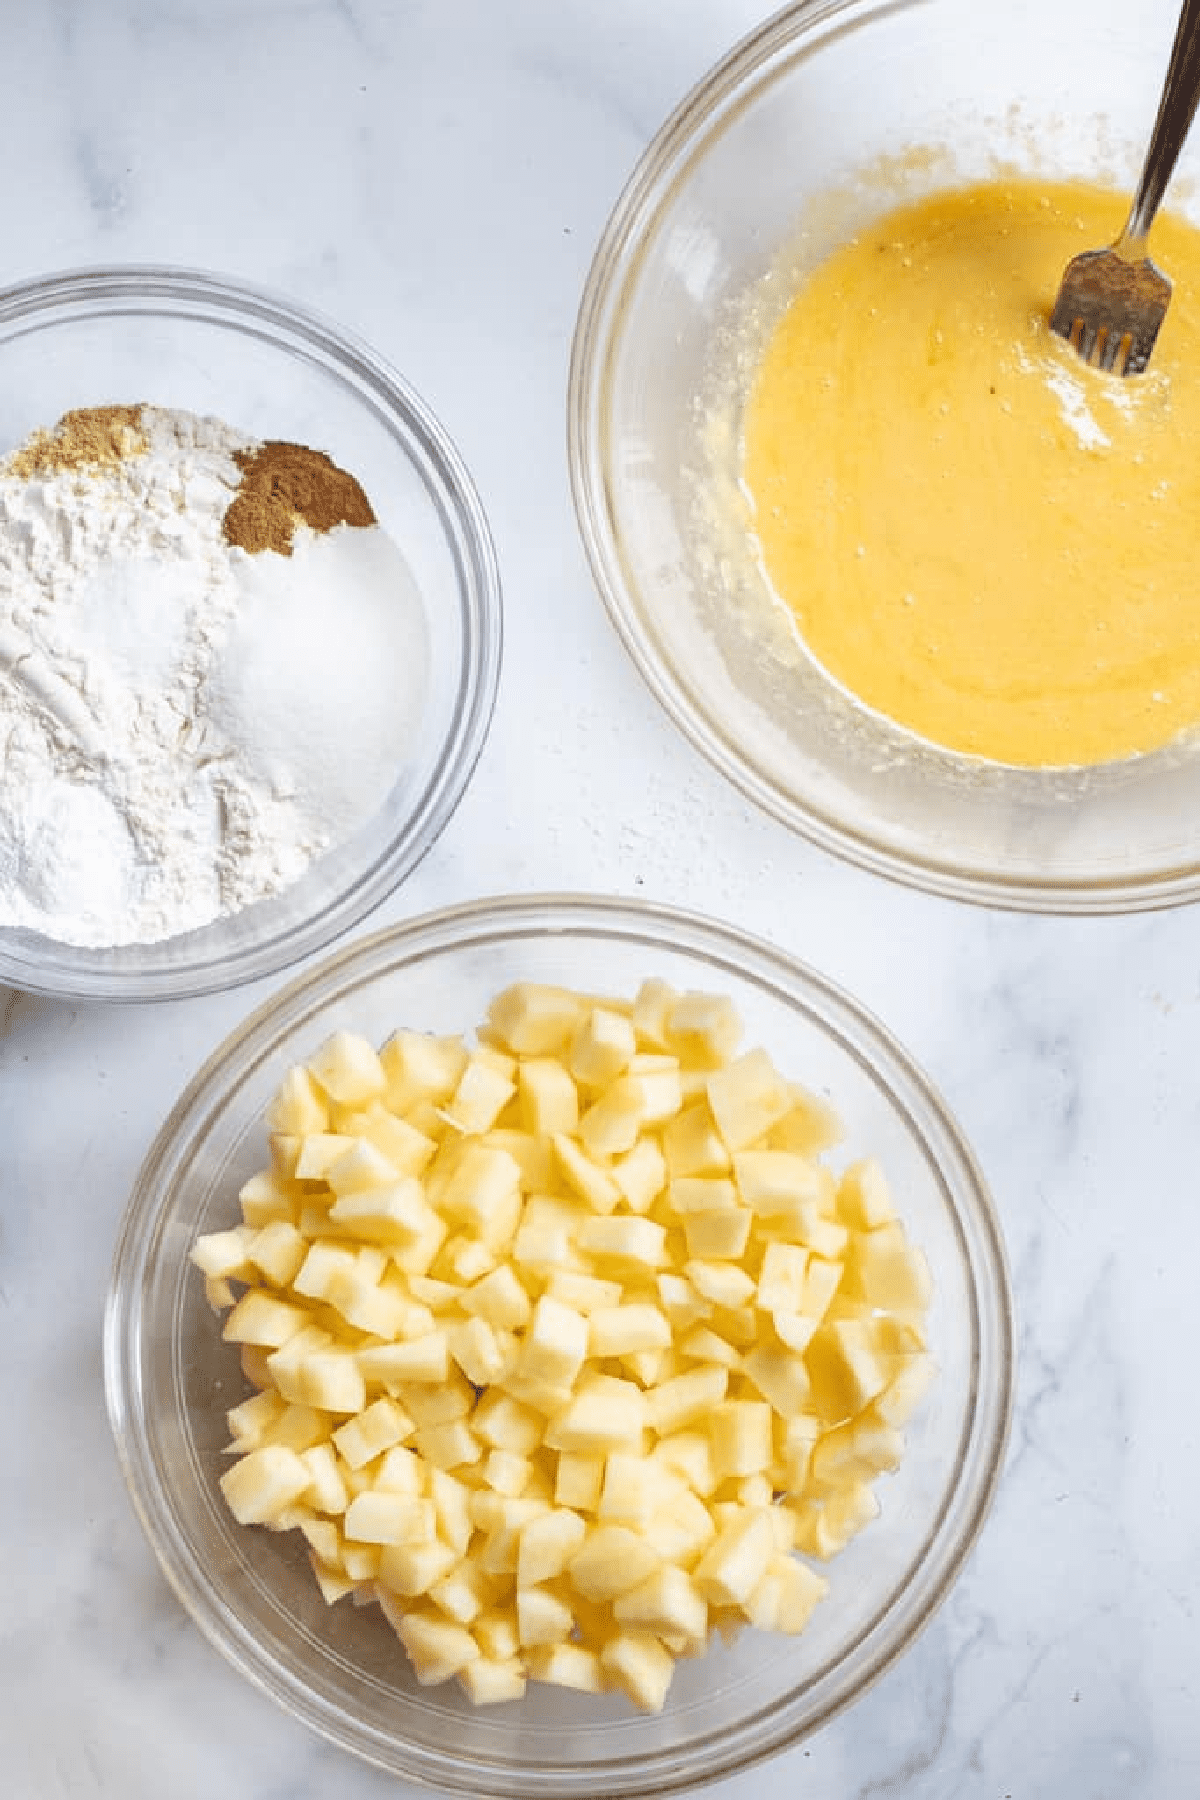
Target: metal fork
[(1112, 302)]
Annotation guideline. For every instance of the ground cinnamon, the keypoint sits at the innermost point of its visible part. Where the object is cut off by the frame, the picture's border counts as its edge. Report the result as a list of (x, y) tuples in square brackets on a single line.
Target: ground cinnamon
[(284, 483)]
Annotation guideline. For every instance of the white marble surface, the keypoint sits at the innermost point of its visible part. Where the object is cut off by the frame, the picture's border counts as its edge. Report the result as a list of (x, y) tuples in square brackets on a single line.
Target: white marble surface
[(435, 176)]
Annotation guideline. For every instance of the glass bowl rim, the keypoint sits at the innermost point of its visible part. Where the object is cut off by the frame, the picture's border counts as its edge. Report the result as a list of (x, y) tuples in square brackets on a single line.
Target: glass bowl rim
[(785, 977), (659, 172), (137, 972)]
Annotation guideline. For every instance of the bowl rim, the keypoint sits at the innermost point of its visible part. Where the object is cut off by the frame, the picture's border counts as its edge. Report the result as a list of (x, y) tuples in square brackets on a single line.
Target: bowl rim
[(148, 972), (984, 1434), (612, 274)]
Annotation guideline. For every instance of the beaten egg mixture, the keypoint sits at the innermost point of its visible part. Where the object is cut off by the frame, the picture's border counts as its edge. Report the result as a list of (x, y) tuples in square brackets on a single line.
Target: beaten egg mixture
[(983, 539)]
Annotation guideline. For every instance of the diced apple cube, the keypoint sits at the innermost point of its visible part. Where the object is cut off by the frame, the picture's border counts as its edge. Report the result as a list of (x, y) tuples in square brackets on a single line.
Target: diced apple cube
[(333, 1583), (703, 1029), (667, 1601), (680, 1301), (602, 1047), (269, 1195), (619, 1330), (776, 1184), (688, 1454), (641, 1666), (742, 1441), (480, 1097), (488, 1683), (883, 1268), (548, 1542), (535, 1019), (348, 1069), (298, 1107), (593, 1184), (635, 1487), (864, 1198), (736, 1561), (371, 1432), (223, 1254), (611, 1560), (692, 1145), (651, 1008), (569, 1666), (484, 1179), (747, 1097), (261, 1484), (449, 1446), (549, 1097), (781, 1278), (640, 1175), (633, 1243), (298, 1428), (612, 1124), (555, 1344), (811, 1126), (905, 1389), (378, 1516), (437, 1647), (420, 1067), (545, 1239), (278, 1250), (264, 1320), (331, 1380), (284, 1367), (718, 1236), (496, 1634), (724, 1284), (780, 1377), (578, 1481), (542, 1618), (499, 1299), (605, 1414), (846, 1374), (423, 1359), (856, 1450), (682, 1531), (702, 1345), (505, 1424), (250, 1421), (393, 1214), (361, 1168), (328, 1492), (686, 1397), (400, 1471)]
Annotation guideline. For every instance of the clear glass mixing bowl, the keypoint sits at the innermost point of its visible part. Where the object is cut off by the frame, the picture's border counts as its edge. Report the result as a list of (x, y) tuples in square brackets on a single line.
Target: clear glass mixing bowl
[(831, 114), (170, 1378), (181, 338)]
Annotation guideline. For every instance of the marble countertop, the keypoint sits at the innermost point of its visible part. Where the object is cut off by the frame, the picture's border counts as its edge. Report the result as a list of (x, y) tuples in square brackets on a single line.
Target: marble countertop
[(435, 176)]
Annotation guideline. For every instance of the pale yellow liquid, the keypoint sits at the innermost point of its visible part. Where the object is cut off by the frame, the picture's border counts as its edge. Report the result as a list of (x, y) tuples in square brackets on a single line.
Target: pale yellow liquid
[(986, 541)]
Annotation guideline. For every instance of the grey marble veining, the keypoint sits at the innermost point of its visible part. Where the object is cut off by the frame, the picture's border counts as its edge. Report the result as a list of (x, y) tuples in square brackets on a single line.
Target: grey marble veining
[(435, 176)]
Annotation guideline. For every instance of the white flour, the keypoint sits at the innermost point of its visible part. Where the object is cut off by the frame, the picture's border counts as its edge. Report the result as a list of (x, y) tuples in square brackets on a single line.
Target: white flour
[(184, 726)]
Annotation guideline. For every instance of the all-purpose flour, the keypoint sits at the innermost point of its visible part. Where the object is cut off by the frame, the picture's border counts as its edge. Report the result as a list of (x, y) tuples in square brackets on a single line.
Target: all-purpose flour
[(184, 723)]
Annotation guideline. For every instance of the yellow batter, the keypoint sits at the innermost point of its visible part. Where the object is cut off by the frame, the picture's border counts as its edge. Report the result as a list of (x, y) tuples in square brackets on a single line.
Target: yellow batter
[(985, 540)]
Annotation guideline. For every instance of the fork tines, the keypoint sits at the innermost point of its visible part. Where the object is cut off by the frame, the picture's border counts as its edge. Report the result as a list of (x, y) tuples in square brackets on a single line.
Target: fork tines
[(1110, 309)]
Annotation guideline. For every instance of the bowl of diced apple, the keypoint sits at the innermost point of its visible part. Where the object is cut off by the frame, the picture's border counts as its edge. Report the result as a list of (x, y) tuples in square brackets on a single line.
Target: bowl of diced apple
[(560, 1347)]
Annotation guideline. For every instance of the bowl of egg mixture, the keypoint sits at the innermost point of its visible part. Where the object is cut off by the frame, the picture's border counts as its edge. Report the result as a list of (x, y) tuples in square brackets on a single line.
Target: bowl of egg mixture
[(894, 559), (560, 1347), (249, 632)]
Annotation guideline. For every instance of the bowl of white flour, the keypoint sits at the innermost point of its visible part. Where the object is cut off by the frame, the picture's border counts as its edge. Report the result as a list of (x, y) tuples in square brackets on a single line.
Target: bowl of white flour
[(249, 633)]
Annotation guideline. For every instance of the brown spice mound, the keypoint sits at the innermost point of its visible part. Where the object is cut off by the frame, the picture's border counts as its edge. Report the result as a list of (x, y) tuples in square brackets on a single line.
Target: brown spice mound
[(282, 483), (88, 435)]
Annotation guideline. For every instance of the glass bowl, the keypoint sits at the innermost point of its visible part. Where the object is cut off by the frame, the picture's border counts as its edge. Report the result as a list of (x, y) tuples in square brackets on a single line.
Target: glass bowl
[(180, 338), (832, 113), (170, 1378)]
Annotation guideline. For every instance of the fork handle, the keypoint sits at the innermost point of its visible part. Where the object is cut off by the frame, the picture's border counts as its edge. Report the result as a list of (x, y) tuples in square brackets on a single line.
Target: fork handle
[(1176, 110)]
